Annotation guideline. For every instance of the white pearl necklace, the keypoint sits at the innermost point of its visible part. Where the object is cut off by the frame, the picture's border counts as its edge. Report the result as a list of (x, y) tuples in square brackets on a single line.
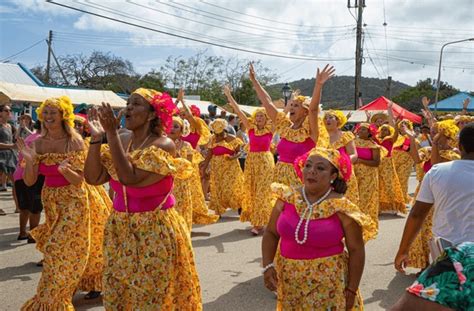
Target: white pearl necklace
[(309, 210)]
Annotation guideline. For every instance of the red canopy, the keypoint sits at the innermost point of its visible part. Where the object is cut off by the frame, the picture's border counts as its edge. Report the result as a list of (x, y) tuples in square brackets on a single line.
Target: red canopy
[(381, 104)]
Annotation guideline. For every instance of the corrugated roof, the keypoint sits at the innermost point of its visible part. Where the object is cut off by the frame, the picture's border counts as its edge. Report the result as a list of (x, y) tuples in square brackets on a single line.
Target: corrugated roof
[(454, 103), (17, 74), (37, 94)]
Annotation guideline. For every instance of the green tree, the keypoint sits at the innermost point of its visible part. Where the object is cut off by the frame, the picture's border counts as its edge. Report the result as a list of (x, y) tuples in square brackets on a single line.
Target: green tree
[(410, 98)]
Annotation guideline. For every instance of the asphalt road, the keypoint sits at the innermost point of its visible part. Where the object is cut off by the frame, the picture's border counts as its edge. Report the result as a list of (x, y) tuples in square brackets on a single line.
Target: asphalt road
[(228, 261)]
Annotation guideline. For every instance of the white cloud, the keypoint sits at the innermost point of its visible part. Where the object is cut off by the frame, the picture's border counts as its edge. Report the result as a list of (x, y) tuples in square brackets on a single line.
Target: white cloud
[(295, 27)]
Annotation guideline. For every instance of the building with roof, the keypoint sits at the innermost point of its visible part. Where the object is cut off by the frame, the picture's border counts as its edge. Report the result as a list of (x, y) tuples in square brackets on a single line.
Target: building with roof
[(454, 103)]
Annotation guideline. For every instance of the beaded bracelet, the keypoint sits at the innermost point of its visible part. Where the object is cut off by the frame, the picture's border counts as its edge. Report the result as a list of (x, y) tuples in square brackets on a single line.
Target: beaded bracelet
[(270, 265)]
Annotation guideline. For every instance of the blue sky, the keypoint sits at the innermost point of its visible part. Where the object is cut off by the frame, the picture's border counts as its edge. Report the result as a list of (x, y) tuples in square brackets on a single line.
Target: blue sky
[(323, 29)]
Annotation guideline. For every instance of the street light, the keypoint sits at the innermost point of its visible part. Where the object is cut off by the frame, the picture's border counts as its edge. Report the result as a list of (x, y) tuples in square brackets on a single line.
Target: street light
[(286, 90), (438, 82)]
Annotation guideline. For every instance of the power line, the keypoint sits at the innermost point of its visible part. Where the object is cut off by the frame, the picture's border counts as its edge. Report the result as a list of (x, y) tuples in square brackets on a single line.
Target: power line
[(269, 20), (265, 53), (228, 20), (22, 51)]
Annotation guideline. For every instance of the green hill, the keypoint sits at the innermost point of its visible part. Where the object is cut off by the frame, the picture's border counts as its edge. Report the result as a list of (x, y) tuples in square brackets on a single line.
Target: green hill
[(339, 91)]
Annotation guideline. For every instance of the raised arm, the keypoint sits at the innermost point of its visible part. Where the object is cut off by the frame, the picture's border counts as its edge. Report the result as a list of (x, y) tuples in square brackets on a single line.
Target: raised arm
[(262, 95), (413, 144), (187, 112), (391, 119), (30, 173), (321, 78), (235, 106), (94, 172), (465, 104)]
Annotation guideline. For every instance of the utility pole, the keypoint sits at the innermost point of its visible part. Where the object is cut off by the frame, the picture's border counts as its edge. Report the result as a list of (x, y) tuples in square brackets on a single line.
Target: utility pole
[(48, 62), (360, 5), (388, 91)]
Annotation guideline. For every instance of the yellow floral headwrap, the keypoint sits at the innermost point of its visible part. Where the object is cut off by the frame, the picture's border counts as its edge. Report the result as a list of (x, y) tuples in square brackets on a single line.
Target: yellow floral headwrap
[(339, 115), (390, 129), (185, 128), (218, 125), (303, 100), (463, 119), (256, 111), (63, 104), (341, 161), (148, 94), (448, 128), (379, 115), (408, 123)]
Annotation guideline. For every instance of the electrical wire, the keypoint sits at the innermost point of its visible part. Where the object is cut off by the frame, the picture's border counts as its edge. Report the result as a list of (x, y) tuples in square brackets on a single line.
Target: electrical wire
[(22, 51), (259, 52)]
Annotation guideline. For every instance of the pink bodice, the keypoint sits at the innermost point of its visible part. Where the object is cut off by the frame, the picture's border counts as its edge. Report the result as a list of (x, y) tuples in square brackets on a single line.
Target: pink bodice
[(324, 236), (427, 166), (405, 146), (288, 151), (259, 143), (387, 144), (364, 153), (52, 177), (219, 151), (192, 138), (143, 199)]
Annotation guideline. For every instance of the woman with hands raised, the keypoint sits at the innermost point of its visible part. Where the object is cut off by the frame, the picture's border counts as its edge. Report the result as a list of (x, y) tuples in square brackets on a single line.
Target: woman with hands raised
[(299, 131), (259, 166), (149, 261)]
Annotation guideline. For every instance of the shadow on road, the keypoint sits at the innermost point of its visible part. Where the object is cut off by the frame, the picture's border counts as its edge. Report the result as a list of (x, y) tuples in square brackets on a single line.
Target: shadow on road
[(19, 272), (8, 239), (249, 295), (228, 237), (392, 293)]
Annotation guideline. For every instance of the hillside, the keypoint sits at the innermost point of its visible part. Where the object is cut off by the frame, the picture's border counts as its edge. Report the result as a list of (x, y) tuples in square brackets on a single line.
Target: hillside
[(339, 91)]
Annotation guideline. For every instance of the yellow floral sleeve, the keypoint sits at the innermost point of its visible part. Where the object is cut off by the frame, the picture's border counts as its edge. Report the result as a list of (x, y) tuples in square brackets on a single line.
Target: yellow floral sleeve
[(183, 169), (76, 159), (449, 155), (284, 193), (345, 138), (259, 132), (153, 159), (346, 207), (282, 122), (203, 130), (425, 154), (283, 127)]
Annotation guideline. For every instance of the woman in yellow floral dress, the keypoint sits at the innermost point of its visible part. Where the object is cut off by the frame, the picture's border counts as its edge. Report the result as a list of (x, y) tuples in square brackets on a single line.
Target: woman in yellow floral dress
[(343, 141), (390, 191), (227, 178), (402, 159), (64, 239), (366, 171), (259, 167), (100, 207), (444, 135), (149, 261), (182, 186), (199, 135), (298, 132), (303, 246)]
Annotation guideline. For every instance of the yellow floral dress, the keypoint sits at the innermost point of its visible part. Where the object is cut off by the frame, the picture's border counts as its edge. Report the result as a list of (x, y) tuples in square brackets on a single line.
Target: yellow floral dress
[(198, 135), (368, 182), (316, 284), (294, 143), (182, 188), (64, 238), (419, 253), (227, 178), (100, 207), (149, 260), (391, 195), (403, 164), (352, 193), (258, 174)]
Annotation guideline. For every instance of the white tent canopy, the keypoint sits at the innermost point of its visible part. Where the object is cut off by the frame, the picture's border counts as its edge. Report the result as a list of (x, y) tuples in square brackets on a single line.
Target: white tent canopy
[(37, 94)]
